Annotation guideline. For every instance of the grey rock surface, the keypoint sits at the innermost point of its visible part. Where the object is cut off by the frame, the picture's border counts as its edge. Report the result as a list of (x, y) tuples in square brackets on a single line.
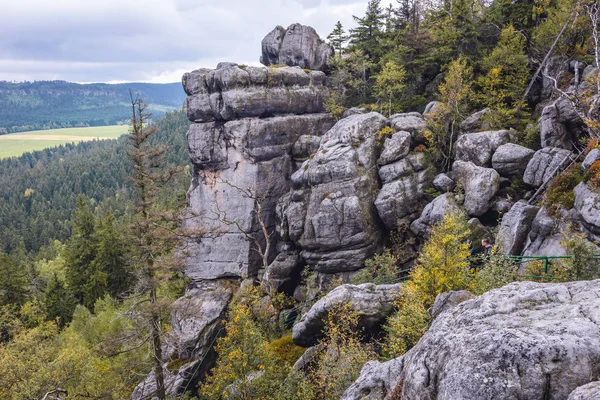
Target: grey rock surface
[(480, 186), (411, 122), (592, 157), (329, 214), (431, 108), (479, 147), (232, 92), (515, 228), (545, 236), (372, 303), (560, 125), (525, 340), (298, 45), (587, 204), (443, 183), (543, 165), (511, 159), (591, 391), (475, 122), (448, 300), (434, 213), (395, 148), (376, 380), (353, 111)]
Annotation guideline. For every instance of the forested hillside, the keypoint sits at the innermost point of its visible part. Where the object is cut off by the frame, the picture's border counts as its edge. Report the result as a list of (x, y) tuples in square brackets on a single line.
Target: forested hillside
[(36, 105), (38, 190)]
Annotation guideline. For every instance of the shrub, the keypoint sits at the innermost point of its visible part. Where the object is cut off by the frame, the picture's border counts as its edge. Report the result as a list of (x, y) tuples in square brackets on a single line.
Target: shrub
[(560, 193), (378, 270), (497, 271), (593, 174), (583, 265), (285, 350), (384, 132), (406, 326)]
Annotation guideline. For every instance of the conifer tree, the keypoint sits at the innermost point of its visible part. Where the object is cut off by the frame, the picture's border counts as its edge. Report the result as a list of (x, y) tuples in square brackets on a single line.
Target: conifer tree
[(338, 37), (389, 83), (367, 34), (59, 303)]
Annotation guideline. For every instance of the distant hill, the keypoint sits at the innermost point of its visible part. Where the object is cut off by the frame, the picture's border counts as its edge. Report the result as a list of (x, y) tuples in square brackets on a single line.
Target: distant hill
[(37, 105)]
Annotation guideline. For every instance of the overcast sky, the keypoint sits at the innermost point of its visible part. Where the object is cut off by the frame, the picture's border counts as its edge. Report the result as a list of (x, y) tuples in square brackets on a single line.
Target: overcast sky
[(149, 40)]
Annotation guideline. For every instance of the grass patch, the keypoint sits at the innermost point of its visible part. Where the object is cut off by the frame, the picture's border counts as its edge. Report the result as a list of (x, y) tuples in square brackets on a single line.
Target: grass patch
[(16, 144)]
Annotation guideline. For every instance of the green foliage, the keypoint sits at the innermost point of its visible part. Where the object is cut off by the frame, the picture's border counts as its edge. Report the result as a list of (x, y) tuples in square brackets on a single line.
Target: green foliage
[(389, 82), (27, 106), (14, 285), (407, 325), (378, 270), (333, 106), (59, 302), (560, 192), (443, 263), (337, 38), (583, 265), (285, 350), (496, 272)]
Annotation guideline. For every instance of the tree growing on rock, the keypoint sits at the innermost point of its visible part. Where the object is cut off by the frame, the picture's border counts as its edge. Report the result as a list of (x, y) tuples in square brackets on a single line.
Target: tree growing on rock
[(389, 83)]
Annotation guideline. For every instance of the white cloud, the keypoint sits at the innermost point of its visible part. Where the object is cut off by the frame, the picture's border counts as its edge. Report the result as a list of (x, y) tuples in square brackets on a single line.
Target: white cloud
[(154, 40)]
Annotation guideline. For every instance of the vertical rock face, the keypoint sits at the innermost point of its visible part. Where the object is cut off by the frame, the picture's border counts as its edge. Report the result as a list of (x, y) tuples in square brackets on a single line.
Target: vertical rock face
[(560, 125), (544, 164), (298, 45), (480, 185), (515, 227), (329, 214), (479, 147)]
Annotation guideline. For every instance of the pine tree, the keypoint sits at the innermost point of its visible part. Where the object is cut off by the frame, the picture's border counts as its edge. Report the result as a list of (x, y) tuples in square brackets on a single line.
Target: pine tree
[(389, 83), (338, 37), (369, 31), (59, 303), (13, 282)]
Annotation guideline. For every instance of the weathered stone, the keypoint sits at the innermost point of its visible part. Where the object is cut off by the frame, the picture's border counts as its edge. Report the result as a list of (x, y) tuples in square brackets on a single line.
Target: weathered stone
[(308, 358), (545, 236), (353, 111), (591, 391), (448, 300), (511, 159), (544, 164), (395, 148), (525, 340), (298, 45), (305, 146), (206, 146), (372, 303), (479, 147), (330, 214), (415, 162), (560, 125), (554, 68), (592, 157), (480, 186), (281, 270), (412, 122), (434, 213), (515, 228), (587, 204), (443, 183), (476, 122), (431, 108)]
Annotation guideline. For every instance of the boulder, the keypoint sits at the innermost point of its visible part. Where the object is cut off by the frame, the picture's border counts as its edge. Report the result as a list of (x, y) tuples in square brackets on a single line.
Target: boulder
[(395, 148), (560, 125), (376, 381), (555, 67), (431, 108), (280, 272), (411, 122), (479, 147), (545, 236), (511, 159), (434, 213), (415, 162), (448, 300), (525, 340), (591, 391), (475, 122), (232, 92), (353, 111), (592, 157), (480, 186), (443, 183), (515, 228), (298, 45), (372, 303), (587, 204), (544, 164), (329, 214)]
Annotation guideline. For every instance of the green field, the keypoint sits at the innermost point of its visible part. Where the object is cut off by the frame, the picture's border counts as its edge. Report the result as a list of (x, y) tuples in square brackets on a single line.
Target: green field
[(16, 144)]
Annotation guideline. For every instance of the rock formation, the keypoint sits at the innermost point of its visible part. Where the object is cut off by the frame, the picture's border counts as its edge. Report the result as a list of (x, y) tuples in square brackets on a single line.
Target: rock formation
[(523, 341)]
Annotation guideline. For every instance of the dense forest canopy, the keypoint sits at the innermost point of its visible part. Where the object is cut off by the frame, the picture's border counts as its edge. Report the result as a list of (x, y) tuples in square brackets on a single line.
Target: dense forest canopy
[(26, 106)]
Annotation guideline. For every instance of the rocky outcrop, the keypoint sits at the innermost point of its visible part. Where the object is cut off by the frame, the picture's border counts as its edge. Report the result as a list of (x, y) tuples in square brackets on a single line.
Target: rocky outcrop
[(448, 300), (515, 228), (523, 341), (475, 122), (402, 194), (587, 204), (544, 164), (395, 148), (591, 391), (411, 122), (298, 45), (511, 159), (329, 213), (592, 157), (434, 213), (545, 236), (372, 303), (479, 147), (560, 125), (480, 186), (232, 92), (443, 183)]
